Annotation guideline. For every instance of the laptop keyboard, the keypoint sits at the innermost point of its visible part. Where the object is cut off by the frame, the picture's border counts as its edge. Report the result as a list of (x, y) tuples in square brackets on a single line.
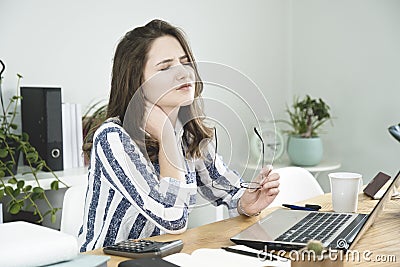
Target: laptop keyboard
[(318, 226)]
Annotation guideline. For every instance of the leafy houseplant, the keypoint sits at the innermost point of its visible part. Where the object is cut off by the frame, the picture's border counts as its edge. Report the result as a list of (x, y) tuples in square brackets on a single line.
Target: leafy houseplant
[(22, 196), (306, 118)]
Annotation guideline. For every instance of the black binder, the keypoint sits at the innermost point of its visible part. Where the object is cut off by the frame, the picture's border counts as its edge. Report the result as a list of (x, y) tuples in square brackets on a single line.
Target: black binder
[(42, 121)]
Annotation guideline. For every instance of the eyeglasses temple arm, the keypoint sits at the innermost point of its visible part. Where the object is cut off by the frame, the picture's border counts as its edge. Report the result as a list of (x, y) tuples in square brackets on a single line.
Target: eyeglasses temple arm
[(262, 141)]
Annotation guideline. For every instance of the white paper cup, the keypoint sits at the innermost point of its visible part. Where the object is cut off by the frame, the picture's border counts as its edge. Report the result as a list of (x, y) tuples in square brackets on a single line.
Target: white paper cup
[(345, 187)]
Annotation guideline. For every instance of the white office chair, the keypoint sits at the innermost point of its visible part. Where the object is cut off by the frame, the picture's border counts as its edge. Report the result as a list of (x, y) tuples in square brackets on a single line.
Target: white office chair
[(73, 209), (296, 184), (204, 213)]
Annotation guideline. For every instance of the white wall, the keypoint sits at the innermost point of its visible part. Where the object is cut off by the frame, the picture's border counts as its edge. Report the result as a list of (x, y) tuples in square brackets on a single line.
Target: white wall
[(343, 51), (347, 52), (71, 44)]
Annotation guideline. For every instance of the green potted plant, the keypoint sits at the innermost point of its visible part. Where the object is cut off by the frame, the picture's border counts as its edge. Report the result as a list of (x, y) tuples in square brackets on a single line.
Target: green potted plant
[(306, 118), (21, 196)]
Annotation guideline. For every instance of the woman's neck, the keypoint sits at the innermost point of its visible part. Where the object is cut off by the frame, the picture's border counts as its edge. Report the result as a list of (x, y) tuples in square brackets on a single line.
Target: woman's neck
[(172, 113)]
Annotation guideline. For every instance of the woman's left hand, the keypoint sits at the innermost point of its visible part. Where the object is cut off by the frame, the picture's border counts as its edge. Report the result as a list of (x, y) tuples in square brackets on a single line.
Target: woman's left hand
[(254, 201)]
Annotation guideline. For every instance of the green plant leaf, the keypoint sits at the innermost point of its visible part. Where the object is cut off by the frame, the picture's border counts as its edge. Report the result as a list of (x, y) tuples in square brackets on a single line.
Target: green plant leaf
[(16, 192), (36, 196), (28, 188), (54, 185), (12, 181), (3, 153), (25, 137), (53, 218), (2, 174), (14, 126), (20, 184), (9, 190), (32, 157), (10, 165), (1, 194), (40, 166), (15, 208), (38, 190)]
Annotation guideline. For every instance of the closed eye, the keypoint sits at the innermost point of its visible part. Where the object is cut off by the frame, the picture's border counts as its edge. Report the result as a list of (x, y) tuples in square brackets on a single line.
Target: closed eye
[(185, 61), (166, 67), (189, 63), (167, 63)]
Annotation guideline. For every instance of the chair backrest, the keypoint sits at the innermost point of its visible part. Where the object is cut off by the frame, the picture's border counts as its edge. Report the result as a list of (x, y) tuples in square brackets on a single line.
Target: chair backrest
[(296, 184), (73, 209)]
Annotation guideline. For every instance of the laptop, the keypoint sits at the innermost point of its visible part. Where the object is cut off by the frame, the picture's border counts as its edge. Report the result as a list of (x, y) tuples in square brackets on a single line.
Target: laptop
[(291, 229)]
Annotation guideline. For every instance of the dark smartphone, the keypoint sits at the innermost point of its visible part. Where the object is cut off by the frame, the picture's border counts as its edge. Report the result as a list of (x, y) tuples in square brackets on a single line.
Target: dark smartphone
[(376, 184)]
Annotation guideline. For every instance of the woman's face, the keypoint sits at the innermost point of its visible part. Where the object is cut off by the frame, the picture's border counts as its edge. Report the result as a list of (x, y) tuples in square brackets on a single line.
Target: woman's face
[(168, 74)]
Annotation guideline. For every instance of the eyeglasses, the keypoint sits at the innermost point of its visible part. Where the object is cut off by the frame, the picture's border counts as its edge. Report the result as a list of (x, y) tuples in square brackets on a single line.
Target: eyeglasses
[(224, 184)]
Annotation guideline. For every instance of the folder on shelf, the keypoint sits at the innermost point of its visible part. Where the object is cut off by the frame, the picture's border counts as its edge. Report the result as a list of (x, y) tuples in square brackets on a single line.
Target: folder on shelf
[(72, 135)]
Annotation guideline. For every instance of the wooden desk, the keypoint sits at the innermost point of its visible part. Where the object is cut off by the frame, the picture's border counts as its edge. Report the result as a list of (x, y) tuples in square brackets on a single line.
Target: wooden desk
[(382, 239)]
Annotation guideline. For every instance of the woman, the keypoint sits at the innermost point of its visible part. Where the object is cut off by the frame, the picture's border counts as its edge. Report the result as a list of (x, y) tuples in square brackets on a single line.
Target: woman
[(144, 173)]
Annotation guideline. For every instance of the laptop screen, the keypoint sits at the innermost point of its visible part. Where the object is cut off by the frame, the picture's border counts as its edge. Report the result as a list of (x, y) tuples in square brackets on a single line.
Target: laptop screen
[(377, 209)]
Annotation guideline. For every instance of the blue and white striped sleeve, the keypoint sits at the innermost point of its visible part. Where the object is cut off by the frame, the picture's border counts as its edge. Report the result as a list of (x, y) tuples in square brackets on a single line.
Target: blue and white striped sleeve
[(164, 201), (207, 172)]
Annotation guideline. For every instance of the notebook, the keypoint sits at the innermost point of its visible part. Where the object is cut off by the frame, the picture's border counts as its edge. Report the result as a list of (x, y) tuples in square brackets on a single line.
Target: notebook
[(292, 229), (218, 257)]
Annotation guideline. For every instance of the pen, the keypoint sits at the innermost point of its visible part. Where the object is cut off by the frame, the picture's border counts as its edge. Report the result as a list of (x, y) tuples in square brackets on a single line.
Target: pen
[(248, 253), (295, 207)]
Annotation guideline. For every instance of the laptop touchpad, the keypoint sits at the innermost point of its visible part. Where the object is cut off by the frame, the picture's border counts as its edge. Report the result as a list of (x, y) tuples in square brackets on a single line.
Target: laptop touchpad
[(272, 226)]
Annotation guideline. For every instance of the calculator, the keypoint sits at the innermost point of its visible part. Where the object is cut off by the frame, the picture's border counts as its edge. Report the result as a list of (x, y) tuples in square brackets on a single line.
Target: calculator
[(139, 248)]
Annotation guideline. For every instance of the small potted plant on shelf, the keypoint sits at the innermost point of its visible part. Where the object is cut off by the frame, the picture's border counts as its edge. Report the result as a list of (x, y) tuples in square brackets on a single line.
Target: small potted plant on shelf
[(305, 118), (22, 196)]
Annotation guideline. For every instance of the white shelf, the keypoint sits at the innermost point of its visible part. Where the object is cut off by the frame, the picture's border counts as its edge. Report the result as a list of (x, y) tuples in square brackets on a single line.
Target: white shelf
[(73, 176)]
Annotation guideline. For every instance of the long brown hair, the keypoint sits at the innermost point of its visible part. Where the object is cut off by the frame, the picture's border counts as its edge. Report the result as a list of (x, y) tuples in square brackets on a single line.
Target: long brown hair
[(127, 78)]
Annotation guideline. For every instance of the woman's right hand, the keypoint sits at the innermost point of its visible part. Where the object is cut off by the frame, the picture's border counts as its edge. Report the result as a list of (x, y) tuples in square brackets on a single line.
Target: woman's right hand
[(156, 121), (159, 126)]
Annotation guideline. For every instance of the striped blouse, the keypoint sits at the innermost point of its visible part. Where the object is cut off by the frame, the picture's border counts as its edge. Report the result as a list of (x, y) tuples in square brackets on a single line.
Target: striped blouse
[(126, 199)]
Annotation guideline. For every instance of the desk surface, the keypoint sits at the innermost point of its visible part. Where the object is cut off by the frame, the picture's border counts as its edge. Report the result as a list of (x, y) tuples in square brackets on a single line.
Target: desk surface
[(382, 239)]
